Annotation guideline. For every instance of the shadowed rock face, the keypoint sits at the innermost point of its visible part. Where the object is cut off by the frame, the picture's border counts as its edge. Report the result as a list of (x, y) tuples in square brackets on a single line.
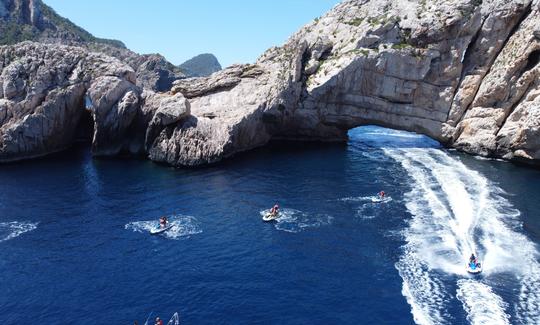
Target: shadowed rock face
[(463, 72)]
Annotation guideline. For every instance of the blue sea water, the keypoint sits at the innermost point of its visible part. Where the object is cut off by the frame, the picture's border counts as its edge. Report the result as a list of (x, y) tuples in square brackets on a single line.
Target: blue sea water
[(75, 245)]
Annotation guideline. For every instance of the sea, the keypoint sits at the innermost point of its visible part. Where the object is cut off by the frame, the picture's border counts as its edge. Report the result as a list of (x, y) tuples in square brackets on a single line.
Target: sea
[(76, 248)]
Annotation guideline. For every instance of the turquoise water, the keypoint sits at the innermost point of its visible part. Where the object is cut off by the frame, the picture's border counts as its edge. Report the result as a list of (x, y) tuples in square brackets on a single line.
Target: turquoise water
[(75, 247)]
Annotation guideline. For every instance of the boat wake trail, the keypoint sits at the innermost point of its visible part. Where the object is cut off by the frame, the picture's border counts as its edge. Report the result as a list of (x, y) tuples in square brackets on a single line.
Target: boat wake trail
[(10, 230), (368, 207), (291, 220), (456, 211), (182, 226), (481, 304)]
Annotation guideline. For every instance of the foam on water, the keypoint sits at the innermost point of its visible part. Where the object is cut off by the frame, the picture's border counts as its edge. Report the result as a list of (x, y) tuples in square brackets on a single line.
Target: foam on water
[(372, 199), (426, 294), (456, 211), (370, 206), (10, 230), (182, 226), (483, 307), (175, 320), (291, 220)]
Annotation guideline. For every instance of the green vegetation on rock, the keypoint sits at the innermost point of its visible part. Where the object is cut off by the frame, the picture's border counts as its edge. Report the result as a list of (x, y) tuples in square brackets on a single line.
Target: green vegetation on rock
[(50, 26)]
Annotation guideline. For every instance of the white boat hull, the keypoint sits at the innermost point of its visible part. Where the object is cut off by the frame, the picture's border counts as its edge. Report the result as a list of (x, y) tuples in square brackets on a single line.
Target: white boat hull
[(476, 270), (160, 230), (270, 217)]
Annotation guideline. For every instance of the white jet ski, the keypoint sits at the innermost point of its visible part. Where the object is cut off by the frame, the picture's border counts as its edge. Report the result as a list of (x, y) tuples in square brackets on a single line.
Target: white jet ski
[(160, 230), (379, 199), (474, 268), (270, 217)]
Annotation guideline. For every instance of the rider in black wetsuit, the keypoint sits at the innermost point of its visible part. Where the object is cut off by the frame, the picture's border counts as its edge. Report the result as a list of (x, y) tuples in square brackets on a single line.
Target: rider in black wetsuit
[(472, 259)]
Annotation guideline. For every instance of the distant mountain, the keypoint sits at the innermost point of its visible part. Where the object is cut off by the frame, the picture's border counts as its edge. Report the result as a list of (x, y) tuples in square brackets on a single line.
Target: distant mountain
[(200, 66), (32, 20)]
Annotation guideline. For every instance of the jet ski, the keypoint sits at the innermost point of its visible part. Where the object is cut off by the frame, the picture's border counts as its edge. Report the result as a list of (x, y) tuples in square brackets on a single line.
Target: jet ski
[(474, 268), (160, 230), (380, 199), (270, 216)]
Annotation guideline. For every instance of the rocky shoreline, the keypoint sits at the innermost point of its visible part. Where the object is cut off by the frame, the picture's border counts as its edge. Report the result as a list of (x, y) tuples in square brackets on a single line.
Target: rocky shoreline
[(463, 72)]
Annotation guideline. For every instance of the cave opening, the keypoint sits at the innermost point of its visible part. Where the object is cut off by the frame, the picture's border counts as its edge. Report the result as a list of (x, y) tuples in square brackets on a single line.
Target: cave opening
[(85, 127), (374, 136)]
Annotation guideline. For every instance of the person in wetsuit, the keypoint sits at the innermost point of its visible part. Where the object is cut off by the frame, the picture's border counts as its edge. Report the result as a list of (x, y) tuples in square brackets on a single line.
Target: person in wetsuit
[(275, 210), (163, 222), (472, 259)]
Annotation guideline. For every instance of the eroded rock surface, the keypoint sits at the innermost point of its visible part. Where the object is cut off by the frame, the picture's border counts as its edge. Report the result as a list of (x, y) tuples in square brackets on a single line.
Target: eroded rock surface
[(47, 91), (464, 72)]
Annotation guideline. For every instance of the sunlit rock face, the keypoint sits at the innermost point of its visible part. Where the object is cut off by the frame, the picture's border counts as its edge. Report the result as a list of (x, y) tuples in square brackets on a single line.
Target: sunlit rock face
[(464, 72), (47, 91)]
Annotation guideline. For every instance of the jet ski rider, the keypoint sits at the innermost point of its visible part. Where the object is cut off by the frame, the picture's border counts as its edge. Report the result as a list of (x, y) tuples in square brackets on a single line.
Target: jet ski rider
[(275, 210), (472, 259), (163, 222)]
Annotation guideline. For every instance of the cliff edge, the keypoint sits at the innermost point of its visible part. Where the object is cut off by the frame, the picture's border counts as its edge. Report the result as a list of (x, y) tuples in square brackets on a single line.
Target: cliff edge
[(464, 72)]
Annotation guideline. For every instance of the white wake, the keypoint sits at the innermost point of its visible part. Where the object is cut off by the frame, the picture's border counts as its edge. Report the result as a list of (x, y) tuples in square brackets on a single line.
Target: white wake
[(182, 226), (481, 304), (10, 230), (294, 221), (456, 211)]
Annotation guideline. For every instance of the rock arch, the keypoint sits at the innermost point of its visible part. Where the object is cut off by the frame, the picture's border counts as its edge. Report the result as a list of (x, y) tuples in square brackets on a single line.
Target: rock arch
[(42, 99)]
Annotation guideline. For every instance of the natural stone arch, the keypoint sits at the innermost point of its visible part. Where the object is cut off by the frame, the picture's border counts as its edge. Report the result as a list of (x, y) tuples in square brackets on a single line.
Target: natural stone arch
[(44, 89)]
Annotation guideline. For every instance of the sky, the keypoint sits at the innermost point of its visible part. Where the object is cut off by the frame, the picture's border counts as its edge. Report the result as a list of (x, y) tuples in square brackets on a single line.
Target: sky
[(236, 31)]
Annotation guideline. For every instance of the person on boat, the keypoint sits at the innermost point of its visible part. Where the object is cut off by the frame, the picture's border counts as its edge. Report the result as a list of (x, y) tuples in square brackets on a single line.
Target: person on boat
[(158, 321), (382, 194), (472, 259), (163, 222), (275, 210)]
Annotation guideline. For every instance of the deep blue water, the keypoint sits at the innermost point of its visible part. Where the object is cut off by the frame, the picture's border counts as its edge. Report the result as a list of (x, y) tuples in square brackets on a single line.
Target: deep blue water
[(75, 248)]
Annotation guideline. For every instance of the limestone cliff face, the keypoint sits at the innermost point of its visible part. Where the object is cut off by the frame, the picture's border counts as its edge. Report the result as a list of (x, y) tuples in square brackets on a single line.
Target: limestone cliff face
[(464, 72), (48, 92)]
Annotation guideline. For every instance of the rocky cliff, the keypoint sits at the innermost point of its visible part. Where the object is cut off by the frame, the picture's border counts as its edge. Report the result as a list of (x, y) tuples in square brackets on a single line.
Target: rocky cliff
[(54, 95), (464, 72), (32, 20), (23, 20)]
